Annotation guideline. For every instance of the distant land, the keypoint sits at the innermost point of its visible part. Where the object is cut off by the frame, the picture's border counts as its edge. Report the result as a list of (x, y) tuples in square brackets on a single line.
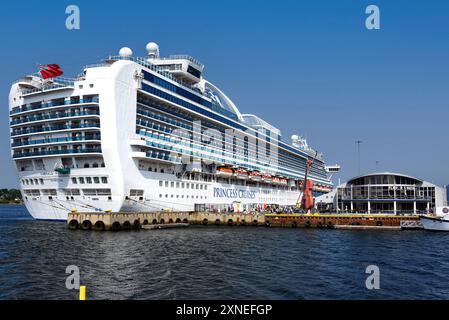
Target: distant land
[(10, 196)]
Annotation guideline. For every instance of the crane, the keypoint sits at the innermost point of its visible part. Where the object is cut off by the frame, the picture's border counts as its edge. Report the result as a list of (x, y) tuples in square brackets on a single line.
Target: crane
[(305, 199)]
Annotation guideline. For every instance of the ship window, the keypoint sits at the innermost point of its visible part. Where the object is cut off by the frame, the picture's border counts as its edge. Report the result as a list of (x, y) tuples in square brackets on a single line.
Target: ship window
[(96, 180), (166, 195), (172, 184), (74, 181), (136, 193), (182, 185), (166, 184), (86, 165), (41, 181), (95, 165), (162, 170), (104, 180), (88, 180), (177, 184), (197, 186), (160, 196), (205, 187), (161, 183)]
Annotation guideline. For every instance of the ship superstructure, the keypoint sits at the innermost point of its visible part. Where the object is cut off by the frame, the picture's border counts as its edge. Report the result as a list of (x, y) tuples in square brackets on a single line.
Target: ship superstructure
[(148, 134)]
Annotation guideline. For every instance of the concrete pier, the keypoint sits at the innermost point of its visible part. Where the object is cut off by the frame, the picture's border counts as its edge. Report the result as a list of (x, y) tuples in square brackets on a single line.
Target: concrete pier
[(127, 221)]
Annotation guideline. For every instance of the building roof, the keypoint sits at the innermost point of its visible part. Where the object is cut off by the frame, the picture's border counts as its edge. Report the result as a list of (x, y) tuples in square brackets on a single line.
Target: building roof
[(385, 174)]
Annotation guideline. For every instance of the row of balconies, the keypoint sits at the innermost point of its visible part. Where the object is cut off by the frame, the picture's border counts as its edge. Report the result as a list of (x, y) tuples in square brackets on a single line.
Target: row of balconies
[(84, 137), (18, 132), (54, 115), (87, 149), (54, 103)]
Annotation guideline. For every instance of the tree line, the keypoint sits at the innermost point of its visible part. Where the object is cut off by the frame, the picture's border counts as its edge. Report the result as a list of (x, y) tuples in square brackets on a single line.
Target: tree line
[(10, 196)]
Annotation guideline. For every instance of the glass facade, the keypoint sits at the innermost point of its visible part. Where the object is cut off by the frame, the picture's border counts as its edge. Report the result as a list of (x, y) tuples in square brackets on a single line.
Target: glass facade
[(386, 193)]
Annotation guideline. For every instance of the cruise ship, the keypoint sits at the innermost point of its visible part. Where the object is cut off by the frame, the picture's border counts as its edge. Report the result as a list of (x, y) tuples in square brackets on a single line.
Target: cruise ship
[(149, 134)]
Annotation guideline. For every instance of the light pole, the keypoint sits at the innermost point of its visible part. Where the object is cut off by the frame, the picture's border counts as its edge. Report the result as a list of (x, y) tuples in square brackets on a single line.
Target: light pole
[(358, 142), (377, 165)]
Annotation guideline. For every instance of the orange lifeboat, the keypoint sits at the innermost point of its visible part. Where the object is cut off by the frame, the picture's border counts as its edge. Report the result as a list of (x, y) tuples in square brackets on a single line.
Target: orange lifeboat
[(224, 172), (241, 173), (255, 175), (267, 178)]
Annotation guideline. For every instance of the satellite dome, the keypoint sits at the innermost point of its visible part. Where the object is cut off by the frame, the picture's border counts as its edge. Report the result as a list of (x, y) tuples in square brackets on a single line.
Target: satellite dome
[(295, 137), (125, 52), (153, 50)]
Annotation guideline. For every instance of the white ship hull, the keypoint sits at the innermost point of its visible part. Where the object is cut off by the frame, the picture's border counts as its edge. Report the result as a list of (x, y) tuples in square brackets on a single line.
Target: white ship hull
[(213, 197), (434, 224)]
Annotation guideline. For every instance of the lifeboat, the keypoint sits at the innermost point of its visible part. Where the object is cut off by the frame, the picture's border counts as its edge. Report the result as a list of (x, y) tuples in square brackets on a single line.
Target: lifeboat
[(241, 173), (283, 181), (267, 178), (255, 176), (276, 180), (224, 172)]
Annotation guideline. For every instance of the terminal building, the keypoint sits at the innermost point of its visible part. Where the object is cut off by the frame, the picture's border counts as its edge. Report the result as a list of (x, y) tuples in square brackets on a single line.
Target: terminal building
[(386, 192)]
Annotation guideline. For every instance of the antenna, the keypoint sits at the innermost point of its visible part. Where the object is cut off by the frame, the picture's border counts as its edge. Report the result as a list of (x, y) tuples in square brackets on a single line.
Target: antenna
[(358, 142)]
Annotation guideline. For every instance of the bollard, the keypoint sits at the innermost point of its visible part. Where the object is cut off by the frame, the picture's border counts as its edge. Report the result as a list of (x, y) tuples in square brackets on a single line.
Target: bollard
[(82, 292)]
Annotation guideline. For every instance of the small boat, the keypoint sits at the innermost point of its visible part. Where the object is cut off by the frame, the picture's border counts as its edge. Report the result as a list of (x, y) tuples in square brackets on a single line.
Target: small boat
[(255, 176), (241, 174), (267, 178), (224, 172), (434, 223), (276, 180)]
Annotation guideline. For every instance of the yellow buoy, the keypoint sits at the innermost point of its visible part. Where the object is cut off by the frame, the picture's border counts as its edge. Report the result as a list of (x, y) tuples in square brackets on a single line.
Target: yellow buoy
[(82, 292)]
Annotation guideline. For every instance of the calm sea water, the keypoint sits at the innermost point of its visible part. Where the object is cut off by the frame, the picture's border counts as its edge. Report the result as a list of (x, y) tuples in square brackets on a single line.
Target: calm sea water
[(218, 262)]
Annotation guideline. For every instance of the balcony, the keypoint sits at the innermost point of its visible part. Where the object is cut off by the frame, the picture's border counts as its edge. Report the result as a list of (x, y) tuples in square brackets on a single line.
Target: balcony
[(54, 128), (57, 140), (54, 116), (17, 155), (45, 105)]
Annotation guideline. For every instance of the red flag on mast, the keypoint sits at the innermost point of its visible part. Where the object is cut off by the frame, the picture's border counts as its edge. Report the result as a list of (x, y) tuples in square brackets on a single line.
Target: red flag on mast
[(50, 71)]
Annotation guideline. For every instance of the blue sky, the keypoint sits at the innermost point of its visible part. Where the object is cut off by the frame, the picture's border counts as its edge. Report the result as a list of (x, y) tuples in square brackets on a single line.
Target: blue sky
[(310, 68)]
